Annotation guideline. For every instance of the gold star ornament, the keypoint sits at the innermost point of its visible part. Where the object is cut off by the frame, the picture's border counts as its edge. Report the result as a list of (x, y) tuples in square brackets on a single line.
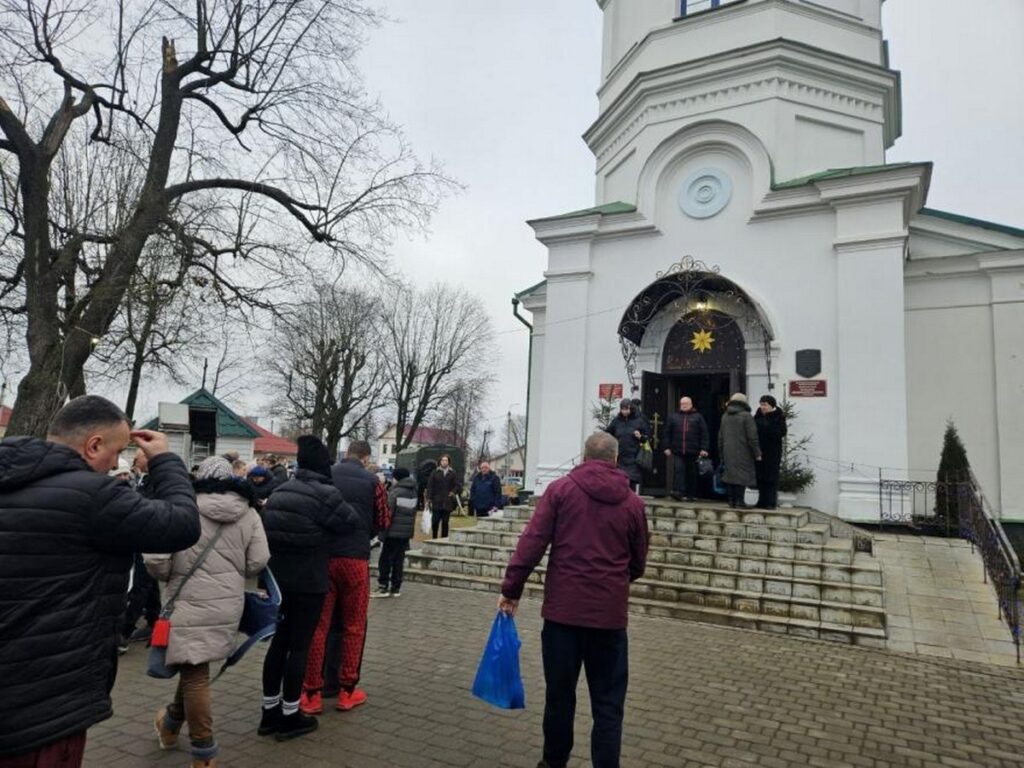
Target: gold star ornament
[(702, 341)]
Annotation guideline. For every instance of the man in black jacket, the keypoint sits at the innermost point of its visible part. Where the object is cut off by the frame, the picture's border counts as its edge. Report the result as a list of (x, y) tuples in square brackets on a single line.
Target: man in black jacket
[(686, 440), (67, 534), (348, 591)]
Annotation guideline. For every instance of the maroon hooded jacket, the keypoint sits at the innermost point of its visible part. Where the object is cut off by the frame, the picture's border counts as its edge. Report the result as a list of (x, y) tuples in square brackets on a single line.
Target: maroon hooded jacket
[(597, 529)]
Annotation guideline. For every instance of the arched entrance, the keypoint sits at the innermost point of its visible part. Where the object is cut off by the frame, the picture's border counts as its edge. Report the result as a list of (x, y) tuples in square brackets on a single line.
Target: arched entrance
[(688, 333)]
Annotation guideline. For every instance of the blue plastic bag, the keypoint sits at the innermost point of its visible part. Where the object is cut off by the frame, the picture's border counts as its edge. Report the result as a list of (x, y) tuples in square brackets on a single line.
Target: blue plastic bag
[(716, 481), (498, 680)]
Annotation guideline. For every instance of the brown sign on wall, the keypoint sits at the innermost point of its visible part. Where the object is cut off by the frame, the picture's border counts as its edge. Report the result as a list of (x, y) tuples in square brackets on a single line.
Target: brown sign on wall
[(808, 388)]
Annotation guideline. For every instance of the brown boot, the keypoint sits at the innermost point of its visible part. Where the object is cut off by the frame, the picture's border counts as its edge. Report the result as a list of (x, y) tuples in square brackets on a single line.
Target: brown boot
[(198, 762), (166, 732)]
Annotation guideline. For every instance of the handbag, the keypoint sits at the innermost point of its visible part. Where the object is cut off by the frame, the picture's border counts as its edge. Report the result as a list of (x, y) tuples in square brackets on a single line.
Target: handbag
[(260, 614), (425, 521), (704, 466), (156, 665), (645, 457)]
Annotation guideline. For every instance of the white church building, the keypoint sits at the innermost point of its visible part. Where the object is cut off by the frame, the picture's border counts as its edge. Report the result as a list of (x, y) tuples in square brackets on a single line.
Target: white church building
[(748, 235)]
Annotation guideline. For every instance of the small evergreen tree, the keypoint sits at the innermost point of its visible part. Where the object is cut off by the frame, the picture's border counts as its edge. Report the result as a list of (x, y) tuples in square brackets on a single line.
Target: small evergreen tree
[(603, 411), (795, 475), (953, 468)]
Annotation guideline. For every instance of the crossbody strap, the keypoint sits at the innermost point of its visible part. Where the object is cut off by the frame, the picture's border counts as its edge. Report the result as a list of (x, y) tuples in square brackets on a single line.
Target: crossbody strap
[(169, 606)]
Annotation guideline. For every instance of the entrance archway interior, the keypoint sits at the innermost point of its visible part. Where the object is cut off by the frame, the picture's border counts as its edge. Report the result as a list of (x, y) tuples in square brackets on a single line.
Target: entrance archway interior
[(703, 359)]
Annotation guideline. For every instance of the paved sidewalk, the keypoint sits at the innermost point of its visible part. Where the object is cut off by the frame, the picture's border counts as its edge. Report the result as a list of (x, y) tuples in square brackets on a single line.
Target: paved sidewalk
[(699, 696), (937, 602)]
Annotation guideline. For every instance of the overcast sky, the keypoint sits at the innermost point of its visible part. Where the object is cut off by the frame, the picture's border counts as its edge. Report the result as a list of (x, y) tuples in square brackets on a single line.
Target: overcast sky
[(502, 91)]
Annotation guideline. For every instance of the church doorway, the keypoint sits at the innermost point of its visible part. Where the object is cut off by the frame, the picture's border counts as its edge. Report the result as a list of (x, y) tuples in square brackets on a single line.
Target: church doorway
[(703, 359)]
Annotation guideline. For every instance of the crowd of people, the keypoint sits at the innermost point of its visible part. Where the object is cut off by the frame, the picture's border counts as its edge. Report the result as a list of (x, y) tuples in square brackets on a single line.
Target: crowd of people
[(750, 448), (89, 544)]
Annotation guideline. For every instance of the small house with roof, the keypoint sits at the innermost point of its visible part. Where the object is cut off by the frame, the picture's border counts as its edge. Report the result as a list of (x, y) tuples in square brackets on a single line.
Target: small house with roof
[(387, 441), (201, 426), (269, 444)]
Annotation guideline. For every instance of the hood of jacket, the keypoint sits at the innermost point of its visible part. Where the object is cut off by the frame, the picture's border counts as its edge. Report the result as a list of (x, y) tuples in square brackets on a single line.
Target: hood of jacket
[(601, 481), (224, 507), (407, 483), (312, 477), (24, 460), (738, 407)]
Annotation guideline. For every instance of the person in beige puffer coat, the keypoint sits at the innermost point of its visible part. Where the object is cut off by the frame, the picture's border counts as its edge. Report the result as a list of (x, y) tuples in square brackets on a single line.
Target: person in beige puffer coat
[(205, 620)]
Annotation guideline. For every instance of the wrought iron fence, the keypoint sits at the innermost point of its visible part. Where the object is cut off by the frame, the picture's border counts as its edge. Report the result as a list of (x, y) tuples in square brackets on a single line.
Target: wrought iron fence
[(959, 510)]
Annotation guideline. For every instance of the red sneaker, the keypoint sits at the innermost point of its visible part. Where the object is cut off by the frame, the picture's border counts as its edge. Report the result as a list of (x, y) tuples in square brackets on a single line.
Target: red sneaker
[(347, 701), (311, 703)]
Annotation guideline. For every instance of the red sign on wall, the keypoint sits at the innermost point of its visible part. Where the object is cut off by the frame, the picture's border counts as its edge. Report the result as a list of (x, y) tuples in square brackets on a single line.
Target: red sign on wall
[(808, 388), (609, 391)]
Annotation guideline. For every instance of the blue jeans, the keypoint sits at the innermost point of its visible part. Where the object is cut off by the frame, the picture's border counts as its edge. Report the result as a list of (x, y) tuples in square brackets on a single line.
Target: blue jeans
[(604, 655)]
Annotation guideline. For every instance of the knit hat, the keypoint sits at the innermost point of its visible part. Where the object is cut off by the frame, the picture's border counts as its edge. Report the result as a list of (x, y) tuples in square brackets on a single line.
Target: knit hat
[(214, 468), (313, 455), (739, 397), (259, 471), (400, 473)]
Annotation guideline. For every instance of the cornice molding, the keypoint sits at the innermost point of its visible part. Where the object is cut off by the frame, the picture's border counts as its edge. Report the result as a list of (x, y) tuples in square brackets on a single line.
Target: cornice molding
[(779, 70)]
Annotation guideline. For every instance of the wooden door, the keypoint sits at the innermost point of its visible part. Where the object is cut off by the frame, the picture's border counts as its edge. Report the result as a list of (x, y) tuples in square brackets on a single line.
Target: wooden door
[(656, 398)]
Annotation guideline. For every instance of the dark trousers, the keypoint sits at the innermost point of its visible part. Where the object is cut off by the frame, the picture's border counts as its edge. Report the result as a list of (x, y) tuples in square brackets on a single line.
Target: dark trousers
[(737, 494), (604, 656), (391, 565), (66, 753), (767, 494), (143, 599), (439, 519), (684, 480), (285, 663)]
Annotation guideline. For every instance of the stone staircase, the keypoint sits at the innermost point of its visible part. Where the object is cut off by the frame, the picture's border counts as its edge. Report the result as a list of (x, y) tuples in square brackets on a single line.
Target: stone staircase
[(776, 571)]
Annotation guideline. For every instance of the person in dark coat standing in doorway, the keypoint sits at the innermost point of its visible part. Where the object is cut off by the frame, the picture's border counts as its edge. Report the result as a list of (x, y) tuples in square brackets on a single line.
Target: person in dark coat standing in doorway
[(739, 449), (300, 519), (442, 489), (596, 529), (686, 440), (630, 429), (771, 431), (67, 535)]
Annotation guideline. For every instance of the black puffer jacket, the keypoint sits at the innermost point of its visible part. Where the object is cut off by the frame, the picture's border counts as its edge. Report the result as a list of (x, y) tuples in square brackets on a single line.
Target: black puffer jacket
[(300, 519), (67, 535), (402, 500), (686, 433), (359, 488)]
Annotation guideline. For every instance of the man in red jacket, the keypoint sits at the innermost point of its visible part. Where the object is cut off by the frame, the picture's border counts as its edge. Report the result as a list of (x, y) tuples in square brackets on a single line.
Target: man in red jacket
[(597, 529)]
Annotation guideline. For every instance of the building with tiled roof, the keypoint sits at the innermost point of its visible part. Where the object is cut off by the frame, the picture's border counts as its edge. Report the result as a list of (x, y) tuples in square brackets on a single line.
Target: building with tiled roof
[(270, 444)]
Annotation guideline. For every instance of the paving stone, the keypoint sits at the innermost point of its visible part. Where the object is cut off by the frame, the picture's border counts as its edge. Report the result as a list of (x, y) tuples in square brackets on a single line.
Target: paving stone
[(699, 695)]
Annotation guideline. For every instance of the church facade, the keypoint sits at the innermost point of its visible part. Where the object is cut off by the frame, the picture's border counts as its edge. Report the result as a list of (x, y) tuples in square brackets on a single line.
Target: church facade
[(748, 235)]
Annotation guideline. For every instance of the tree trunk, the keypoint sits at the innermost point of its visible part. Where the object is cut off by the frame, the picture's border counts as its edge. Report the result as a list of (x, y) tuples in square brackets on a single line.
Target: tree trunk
[(133, 384)]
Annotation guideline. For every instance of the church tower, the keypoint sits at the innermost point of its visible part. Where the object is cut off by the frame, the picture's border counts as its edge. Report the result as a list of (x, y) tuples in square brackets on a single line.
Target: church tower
[(809, 78)]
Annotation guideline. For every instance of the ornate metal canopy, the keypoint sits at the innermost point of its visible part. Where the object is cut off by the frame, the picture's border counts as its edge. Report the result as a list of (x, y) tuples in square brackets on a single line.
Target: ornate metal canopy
[(694, 290)]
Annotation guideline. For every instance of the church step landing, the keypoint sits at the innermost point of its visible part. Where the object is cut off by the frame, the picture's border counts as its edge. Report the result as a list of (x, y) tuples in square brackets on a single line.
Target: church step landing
[(683, 520), (865, 572), (810, 543), (743, 617), (672, 577)]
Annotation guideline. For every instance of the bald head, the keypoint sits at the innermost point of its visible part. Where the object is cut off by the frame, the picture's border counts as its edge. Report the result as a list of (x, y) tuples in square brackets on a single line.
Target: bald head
[(601, 446), (685, 404)]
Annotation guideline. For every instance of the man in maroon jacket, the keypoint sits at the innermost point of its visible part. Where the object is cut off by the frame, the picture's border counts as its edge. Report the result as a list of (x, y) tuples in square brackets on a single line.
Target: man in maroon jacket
[(597, 530)]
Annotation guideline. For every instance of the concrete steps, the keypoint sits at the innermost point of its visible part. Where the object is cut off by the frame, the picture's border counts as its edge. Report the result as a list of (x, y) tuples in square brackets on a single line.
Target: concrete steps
[(775, 571)]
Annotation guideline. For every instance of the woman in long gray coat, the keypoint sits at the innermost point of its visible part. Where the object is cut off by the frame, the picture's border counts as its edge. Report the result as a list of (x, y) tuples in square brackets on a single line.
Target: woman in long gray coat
[(206, 613), (739, 449)]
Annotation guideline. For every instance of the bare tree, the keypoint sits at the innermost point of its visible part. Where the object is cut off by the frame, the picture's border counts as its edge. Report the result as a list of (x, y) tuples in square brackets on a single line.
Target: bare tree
[(462, 409), (433, 340), (515, 437), (160, 326), (243, 136), (327, 362)]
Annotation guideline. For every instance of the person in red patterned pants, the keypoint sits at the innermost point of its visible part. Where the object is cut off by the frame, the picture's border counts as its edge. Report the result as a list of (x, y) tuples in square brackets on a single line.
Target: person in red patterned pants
[(348, 583)]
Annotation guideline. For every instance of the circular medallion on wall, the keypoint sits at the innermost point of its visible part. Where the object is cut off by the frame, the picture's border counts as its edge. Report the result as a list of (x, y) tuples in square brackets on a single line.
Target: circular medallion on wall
[(705, 193)]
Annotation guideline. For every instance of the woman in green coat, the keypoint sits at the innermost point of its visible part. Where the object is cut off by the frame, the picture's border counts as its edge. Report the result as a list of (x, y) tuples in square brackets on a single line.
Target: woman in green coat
[(739, 449)]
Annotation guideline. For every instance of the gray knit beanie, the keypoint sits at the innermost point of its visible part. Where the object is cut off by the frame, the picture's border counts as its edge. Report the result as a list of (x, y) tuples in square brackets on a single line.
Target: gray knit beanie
[(214, 468)]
